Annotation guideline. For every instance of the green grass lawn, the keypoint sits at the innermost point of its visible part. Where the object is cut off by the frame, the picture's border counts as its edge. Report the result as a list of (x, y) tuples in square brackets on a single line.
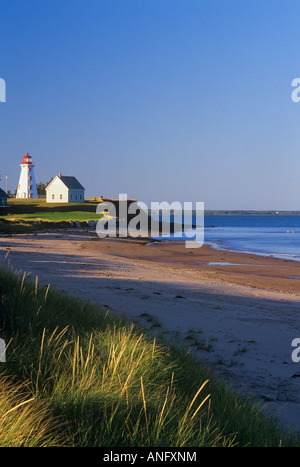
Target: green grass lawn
[(38, 209), (76, 376), (33, 214)]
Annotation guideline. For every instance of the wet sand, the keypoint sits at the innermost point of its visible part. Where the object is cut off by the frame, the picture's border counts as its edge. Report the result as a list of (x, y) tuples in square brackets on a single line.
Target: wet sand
[(239, 316), (263, 272)]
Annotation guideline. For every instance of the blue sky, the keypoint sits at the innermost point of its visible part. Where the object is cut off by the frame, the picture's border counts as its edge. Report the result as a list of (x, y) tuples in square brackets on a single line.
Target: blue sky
[(165, 100)]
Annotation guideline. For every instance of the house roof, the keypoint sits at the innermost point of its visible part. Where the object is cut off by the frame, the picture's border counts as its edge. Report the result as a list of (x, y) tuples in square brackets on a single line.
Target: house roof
[(3, 194), (70, 182)]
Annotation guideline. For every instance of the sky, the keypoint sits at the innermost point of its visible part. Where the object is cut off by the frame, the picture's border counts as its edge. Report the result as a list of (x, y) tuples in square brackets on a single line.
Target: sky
[(164, 100)]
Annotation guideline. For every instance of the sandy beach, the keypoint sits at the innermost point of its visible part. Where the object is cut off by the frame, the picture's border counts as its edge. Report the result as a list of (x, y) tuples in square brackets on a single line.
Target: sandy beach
[(237, 312)]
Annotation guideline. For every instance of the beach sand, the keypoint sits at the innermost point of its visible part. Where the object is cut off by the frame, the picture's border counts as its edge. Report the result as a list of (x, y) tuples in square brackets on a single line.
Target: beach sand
[(239, 317)]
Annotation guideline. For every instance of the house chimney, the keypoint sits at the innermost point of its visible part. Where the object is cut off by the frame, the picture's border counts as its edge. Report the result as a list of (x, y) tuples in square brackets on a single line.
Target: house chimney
[(59, 175)]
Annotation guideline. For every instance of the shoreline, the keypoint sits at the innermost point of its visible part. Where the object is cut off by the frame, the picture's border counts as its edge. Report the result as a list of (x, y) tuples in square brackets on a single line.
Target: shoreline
[(282, 256), (239, 317), (245, 268)]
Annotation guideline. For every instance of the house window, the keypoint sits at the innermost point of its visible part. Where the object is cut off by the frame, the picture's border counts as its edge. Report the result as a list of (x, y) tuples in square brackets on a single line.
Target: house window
[(30, 177), (80, 196), (71, 196), (60, 196), (53, 196), (75, 196)]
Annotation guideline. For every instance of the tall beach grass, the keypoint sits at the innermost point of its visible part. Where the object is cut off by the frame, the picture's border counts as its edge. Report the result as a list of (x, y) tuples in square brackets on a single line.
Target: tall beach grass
[(85, 378)]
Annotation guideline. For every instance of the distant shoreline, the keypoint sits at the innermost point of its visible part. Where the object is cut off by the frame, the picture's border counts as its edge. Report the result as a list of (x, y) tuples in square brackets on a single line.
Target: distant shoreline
[(221, 212), (251, 213)]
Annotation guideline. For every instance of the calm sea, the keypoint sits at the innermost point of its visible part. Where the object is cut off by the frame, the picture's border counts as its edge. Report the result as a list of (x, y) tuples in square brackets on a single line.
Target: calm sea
[(277, 235)]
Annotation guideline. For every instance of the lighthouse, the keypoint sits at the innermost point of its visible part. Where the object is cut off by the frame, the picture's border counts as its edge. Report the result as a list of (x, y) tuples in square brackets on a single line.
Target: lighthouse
[(27, 185)]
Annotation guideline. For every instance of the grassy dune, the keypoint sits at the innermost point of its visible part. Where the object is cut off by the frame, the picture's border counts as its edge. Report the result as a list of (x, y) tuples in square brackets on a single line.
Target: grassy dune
[(38, 209), (75, 376), (29, 215)]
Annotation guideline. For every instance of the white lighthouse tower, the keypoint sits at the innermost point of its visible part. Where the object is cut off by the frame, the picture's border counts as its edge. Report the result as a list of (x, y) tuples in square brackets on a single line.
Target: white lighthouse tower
[(27, 185)]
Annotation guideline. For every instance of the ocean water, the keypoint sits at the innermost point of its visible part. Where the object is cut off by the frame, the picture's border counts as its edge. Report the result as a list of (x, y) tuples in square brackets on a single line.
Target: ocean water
[(276, 235)]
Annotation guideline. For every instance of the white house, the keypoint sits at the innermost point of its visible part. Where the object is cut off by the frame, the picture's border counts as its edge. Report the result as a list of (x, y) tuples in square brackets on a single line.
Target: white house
[(64, 189)]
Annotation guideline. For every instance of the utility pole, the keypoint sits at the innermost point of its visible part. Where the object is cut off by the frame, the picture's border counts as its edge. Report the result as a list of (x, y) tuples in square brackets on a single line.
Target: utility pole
[(6, 182)]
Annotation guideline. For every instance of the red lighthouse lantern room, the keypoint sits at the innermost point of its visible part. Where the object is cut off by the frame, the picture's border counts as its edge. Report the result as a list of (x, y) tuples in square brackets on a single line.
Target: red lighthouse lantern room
[(27, 159)]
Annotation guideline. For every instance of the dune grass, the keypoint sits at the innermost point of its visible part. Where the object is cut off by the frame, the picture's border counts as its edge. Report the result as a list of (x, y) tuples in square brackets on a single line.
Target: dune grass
[(76, 376), (38, 209), (19, 227), (30, 215), (27, 205), (25, 421)]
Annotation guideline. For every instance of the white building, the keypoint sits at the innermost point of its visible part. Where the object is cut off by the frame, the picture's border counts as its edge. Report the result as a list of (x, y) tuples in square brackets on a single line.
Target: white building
[(27, 185), (64, 189)]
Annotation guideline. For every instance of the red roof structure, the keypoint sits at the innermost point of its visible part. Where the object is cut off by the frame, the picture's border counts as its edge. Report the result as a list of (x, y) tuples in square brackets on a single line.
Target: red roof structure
[(27, 159)]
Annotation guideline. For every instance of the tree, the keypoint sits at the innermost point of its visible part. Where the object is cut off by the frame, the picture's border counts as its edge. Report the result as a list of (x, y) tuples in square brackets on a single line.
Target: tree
[(41, 187)]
